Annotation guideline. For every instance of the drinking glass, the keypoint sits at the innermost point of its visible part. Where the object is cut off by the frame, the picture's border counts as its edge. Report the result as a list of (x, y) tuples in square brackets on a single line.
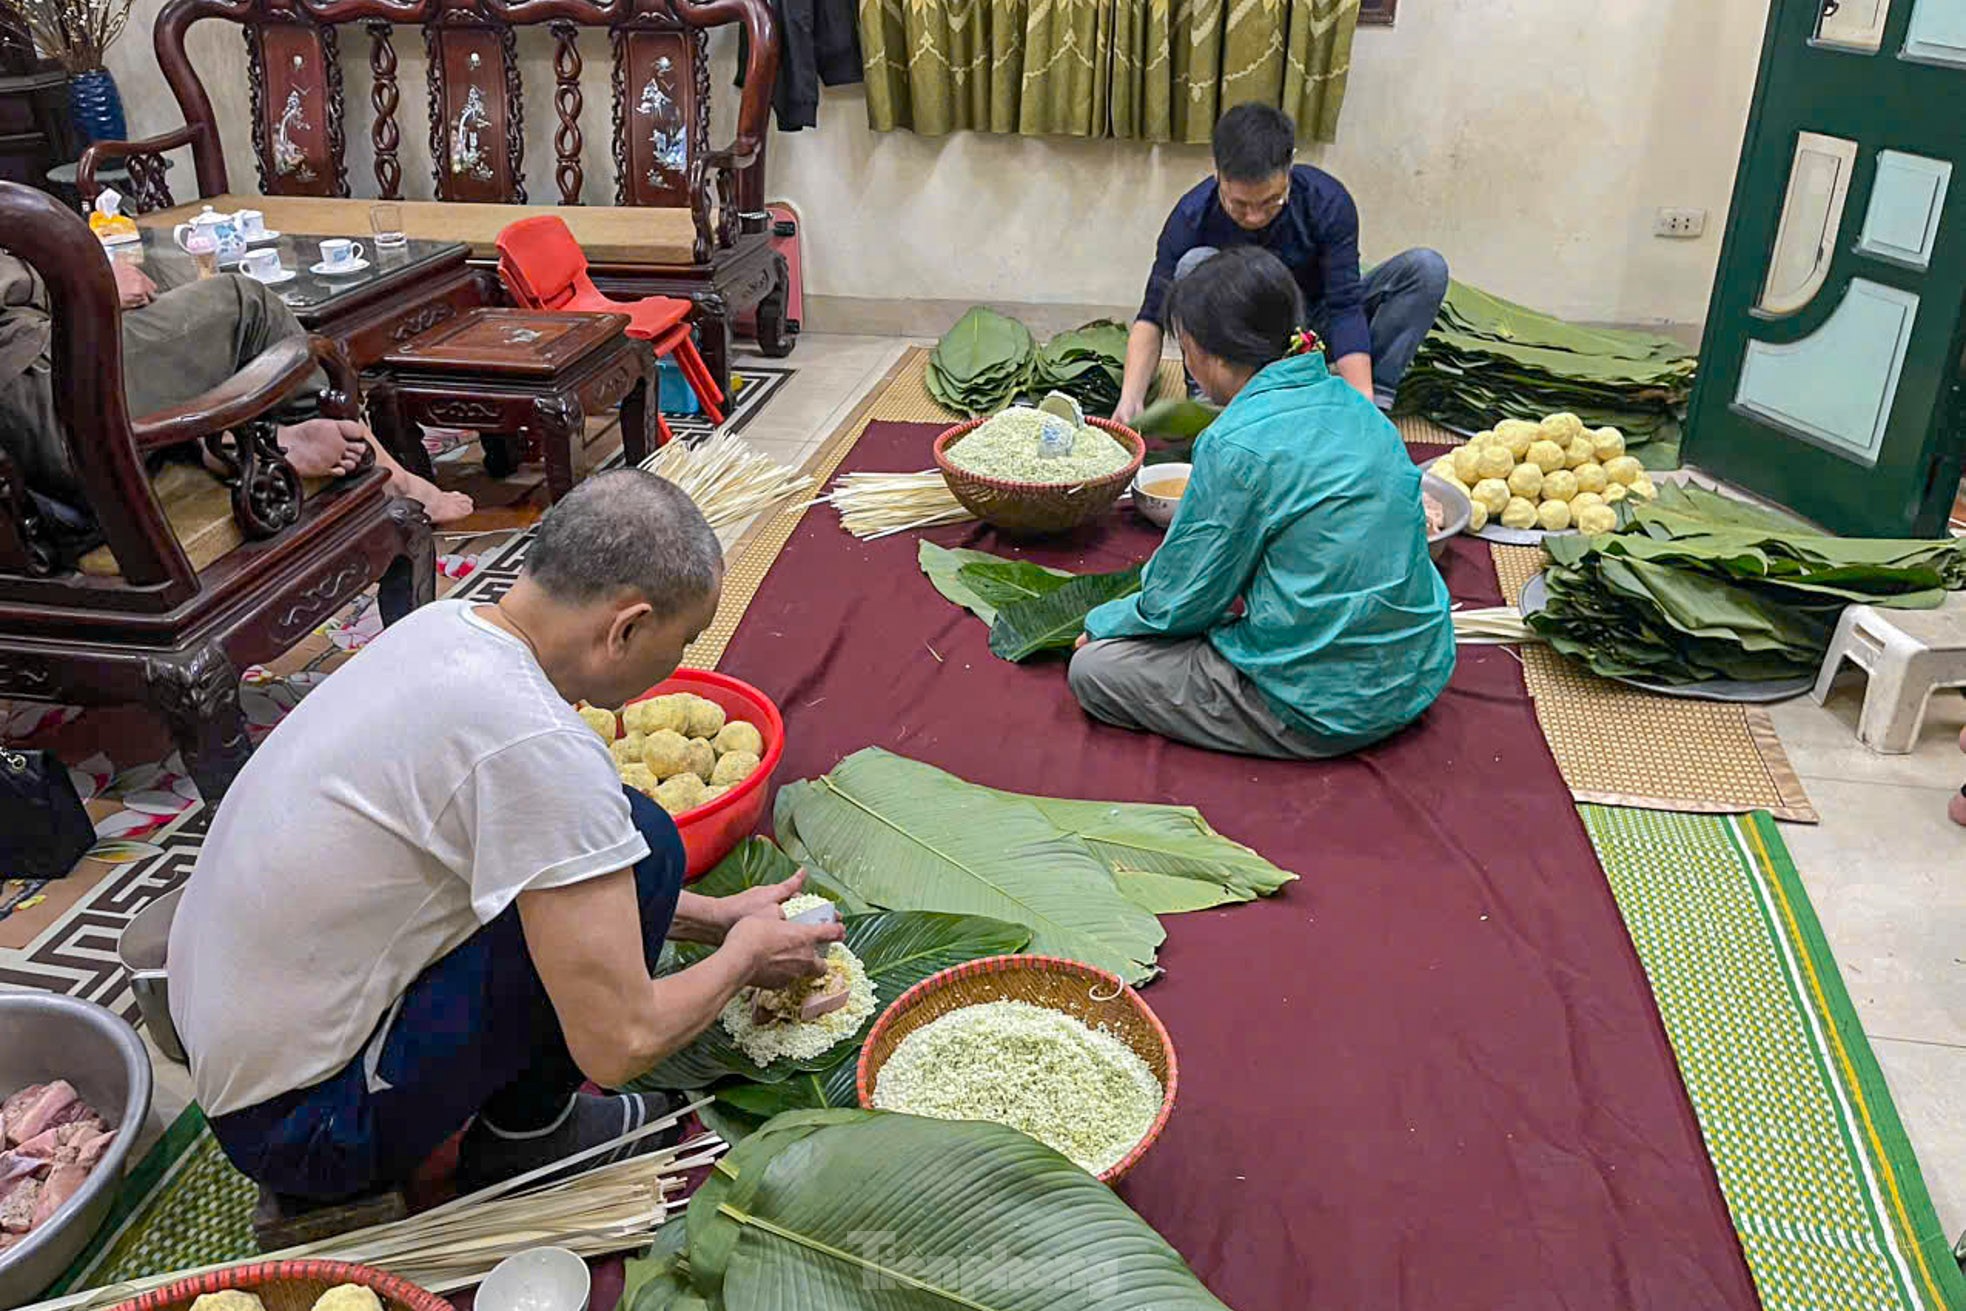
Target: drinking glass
[(386, 223)]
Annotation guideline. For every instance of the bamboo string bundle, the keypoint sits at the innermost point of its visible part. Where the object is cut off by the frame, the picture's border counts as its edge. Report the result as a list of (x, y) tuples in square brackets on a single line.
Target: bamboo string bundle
[(880, 504), (729, 481), (1497, 625), (608, 1208)]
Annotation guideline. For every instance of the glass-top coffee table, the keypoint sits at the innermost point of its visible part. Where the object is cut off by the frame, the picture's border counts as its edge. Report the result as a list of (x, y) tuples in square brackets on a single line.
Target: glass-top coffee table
[(314, 298)]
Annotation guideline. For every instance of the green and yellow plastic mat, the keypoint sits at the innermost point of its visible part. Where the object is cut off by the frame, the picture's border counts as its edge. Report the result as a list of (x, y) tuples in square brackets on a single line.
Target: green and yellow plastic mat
[(182, 1207), (1816, 1169)]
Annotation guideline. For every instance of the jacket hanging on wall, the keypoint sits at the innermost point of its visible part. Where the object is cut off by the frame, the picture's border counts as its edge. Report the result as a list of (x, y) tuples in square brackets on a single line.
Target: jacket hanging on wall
[(818, 42)]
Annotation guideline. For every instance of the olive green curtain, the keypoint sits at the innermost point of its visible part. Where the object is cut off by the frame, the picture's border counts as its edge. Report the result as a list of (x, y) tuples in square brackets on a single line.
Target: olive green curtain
[(1150, 70)]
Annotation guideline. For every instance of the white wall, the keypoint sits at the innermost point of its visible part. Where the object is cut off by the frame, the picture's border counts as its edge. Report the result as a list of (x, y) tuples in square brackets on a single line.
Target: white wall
[(1529, 140)]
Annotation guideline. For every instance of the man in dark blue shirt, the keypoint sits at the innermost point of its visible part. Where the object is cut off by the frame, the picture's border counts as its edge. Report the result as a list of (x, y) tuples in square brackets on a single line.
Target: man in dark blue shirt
[(1371, 324)]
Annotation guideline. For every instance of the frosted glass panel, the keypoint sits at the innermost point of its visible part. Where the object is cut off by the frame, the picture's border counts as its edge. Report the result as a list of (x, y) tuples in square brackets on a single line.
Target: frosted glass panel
[(1836, 385), (1812, 213), (1853, 24), (1938, 32), (1906, 202)]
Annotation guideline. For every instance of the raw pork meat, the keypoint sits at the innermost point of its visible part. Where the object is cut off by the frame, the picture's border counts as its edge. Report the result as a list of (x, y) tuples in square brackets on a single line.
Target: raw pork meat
[(17, 1203), (55, 1105), (48, 1145), (56, 1140)]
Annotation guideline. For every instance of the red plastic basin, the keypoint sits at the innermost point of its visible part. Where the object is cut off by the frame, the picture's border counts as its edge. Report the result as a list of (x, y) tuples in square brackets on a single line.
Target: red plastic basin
[(711, 830)]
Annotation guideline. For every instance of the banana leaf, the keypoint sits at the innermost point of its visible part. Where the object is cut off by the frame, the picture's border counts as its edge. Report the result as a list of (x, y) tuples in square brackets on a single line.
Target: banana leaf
[(1087, 363), (1712, 508), (1177, 418), (1054, 620), (658, 1279), (1698, 587), (712, 1237), (1489, 359), (1166, 859), (758, 861), (893, 1210), (1169, 428), (908, 836), (944, 567), (1029, 608), (980, 363), (1001, 583), (899, 949), (1469, 309)]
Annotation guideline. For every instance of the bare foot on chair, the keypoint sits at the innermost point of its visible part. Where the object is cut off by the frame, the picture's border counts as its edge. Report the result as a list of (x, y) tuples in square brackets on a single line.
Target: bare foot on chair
[(322, 448), (442, 506)]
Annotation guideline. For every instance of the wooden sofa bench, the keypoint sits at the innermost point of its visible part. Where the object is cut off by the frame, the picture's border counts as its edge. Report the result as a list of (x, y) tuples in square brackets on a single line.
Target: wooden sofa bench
[(675, 228)]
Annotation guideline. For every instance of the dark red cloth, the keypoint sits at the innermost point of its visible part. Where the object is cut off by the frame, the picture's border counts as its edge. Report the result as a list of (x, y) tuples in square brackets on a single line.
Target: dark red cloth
[(1430, 1074)]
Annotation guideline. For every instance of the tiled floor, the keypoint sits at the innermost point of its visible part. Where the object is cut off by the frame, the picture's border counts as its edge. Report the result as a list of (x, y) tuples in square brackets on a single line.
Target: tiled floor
[(834, 373), (1886, 871), (1884, 868)]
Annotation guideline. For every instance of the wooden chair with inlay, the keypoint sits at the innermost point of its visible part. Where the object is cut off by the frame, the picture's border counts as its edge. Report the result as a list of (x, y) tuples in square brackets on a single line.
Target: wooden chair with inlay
[(687, 218), (196, 577)]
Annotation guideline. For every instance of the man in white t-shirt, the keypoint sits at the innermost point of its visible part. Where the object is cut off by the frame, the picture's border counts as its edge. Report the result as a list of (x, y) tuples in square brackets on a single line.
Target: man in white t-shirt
[(428, 902)]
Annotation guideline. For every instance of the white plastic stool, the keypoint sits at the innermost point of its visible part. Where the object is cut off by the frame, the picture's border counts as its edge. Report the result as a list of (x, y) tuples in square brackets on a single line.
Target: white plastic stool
[(1909, 654)]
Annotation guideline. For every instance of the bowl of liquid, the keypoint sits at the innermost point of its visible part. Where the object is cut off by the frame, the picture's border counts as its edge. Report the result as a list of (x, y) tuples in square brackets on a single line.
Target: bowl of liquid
[(1157, 491)]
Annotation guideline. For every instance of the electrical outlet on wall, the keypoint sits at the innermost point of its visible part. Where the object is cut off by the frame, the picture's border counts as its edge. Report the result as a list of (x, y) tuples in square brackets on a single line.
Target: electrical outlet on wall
[(1679, 223)]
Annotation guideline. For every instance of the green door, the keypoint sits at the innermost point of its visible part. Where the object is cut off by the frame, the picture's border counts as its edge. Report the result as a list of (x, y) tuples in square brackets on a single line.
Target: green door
[(1833, 375)]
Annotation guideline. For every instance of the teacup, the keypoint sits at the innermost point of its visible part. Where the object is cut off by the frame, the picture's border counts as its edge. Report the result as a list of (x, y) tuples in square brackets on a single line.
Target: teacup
[(261, 264), (337, 251), (251, 223)]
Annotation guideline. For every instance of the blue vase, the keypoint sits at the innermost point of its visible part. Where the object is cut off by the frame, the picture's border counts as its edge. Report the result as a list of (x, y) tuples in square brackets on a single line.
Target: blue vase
[(96, 106)]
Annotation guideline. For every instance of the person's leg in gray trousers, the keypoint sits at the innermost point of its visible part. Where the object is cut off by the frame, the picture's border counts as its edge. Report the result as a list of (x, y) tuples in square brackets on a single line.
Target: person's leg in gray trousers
[(1182, 688), (186, 341)]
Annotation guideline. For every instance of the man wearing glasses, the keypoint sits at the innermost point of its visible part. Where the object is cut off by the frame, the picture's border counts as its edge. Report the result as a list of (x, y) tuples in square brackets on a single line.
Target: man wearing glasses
[(1371, 324)]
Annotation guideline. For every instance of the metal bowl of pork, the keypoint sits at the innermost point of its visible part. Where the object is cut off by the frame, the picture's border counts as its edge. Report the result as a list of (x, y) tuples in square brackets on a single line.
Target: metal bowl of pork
[(43, 1038), (1455, 507)]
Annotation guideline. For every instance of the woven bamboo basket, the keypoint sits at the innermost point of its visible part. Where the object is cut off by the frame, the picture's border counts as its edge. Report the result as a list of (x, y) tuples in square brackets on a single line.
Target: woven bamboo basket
[(1038, 508), (1093, 996), (289, 1286)]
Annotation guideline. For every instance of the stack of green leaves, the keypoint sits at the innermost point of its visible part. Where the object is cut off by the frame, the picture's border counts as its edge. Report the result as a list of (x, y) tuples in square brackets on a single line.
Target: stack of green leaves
[(1087, 363), (838, 1209), (981, 364), (929, 871), (1696, 587), (1488, 359), (1029, 608)]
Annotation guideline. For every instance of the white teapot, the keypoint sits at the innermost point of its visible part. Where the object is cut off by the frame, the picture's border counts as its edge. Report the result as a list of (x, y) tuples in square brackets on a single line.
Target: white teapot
[(212, 226)]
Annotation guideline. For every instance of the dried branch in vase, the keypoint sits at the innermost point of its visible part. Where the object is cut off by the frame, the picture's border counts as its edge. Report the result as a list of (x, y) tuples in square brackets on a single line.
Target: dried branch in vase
[(74, 33)]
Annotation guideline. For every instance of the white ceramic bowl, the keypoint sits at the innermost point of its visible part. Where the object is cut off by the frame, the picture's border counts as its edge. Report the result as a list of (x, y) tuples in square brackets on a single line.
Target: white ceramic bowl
[(1157, 509), (539, 1279)]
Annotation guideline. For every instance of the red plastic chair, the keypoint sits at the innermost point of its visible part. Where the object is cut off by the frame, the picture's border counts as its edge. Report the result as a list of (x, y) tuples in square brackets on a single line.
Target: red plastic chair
[(544, 268)]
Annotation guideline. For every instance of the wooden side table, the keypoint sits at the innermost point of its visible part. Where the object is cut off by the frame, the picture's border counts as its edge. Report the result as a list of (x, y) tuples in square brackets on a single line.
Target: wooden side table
[(531, 374)]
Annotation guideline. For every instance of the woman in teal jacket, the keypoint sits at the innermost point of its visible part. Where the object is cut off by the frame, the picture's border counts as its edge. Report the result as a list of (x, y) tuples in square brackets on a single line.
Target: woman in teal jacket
[(1303, 505)]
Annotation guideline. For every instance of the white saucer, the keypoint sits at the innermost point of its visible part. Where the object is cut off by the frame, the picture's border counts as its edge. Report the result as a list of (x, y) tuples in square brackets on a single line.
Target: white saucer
[(284, 275), (337, 270), (262, 238)]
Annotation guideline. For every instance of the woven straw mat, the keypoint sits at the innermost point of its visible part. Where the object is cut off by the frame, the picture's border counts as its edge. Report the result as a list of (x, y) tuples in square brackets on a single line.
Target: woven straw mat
[(1620, 746)]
